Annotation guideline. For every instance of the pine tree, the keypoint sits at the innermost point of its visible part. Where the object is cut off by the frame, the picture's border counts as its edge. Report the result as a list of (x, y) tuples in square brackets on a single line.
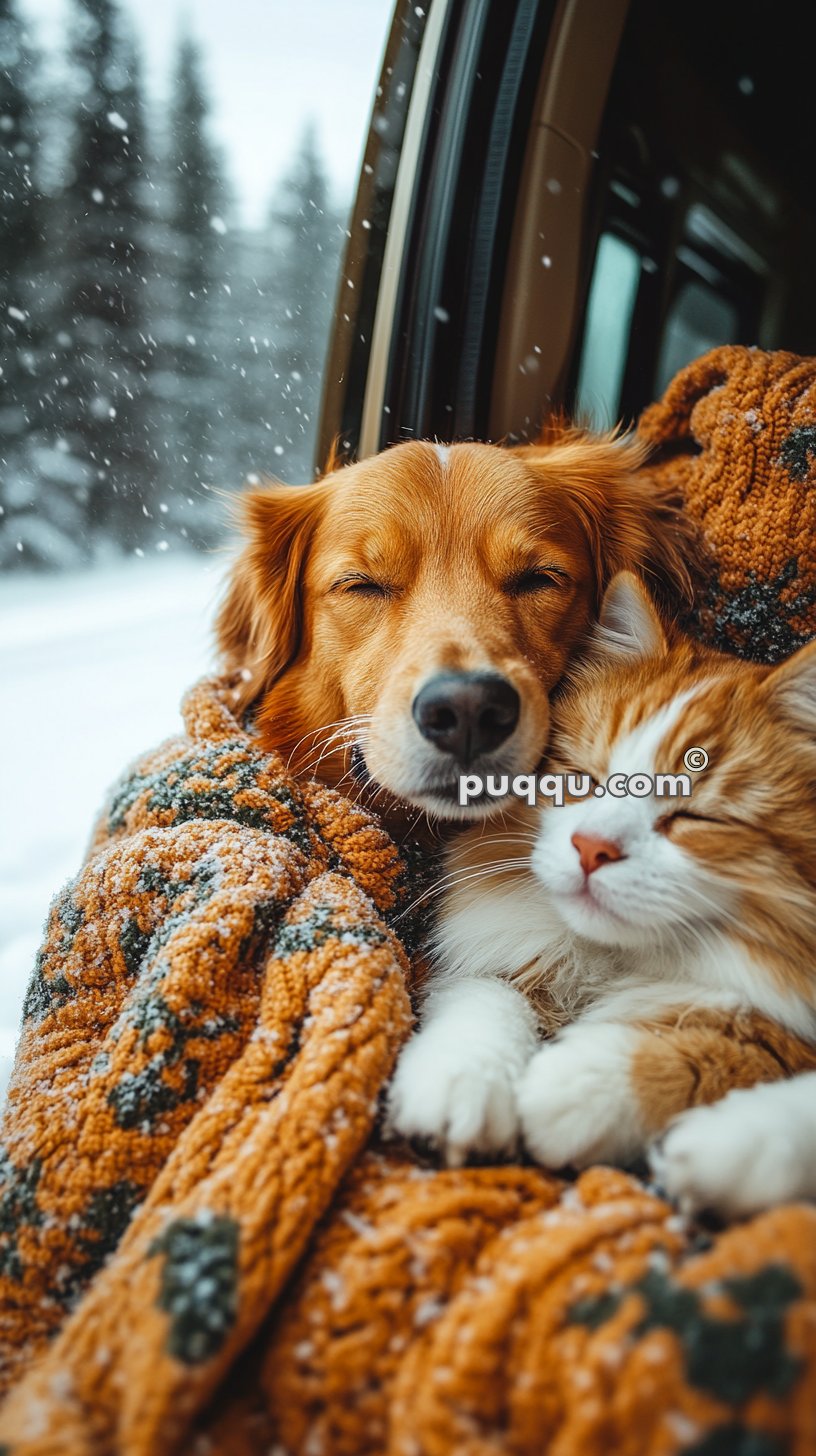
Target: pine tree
[(194, 370), (19, 202), (21, 207), (250, 312), (101, 348), (309, 236), (151, 352)]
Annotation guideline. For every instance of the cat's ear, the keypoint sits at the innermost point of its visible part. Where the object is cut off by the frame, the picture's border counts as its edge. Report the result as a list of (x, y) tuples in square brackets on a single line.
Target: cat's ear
[(793, 687), (628, 625)]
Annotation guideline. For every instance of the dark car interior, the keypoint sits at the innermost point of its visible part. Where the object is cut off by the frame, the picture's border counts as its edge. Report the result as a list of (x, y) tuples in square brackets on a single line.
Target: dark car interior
[(631, 184), (705, 212)]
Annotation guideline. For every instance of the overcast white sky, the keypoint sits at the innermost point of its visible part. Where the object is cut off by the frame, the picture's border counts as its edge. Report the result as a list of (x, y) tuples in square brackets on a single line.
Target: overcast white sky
[(271, 65)]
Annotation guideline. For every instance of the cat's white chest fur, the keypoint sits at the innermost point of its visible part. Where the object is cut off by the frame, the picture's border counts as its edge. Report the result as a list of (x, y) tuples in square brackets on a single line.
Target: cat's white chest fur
[(510, 930), (627, 913)]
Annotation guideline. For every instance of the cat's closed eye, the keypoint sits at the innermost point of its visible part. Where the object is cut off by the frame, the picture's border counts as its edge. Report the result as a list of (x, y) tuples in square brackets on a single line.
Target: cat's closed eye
[(665, 822)]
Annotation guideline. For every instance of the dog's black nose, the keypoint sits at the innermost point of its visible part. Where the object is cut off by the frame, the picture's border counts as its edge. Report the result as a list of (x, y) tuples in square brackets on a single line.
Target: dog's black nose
[(466, 713)]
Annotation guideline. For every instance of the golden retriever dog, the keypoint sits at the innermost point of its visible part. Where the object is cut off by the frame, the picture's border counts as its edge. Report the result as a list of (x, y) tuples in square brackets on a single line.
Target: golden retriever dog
[(406, 618)]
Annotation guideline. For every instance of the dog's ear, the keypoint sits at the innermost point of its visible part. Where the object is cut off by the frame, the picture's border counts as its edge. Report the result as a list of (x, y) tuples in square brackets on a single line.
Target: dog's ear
[(258, 627), (629, 522)]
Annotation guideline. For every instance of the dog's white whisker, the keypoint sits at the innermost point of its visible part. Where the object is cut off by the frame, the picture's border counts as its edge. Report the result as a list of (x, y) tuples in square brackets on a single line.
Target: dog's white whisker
[(315, 734), (344, 729)]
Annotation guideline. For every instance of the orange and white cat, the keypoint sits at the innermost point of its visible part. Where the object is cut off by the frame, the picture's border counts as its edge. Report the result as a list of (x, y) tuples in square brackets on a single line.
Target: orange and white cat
[(665, 948)]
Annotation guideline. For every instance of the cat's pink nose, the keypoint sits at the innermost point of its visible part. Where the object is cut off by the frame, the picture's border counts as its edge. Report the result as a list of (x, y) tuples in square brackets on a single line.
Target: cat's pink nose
[(594, 852)]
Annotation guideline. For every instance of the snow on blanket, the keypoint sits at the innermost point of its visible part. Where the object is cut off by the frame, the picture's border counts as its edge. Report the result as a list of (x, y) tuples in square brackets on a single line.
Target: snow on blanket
[(204, 1248), (91, 663)]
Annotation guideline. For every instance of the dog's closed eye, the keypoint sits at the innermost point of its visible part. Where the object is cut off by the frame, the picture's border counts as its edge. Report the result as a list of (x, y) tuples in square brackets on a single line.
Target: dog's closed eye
[(535, 579), (361, 586)]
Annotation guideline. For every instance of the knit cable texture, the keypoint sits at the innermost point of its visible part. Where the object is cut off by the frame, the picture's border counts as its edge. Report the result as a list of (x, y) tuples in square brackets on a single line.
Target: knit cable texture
[(735, 436)]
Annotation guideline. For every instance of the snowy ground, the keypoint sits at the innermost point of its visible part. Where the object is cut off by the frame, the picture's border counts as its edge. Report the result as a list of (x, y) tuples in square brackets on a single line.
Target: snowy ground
[(92, 668)]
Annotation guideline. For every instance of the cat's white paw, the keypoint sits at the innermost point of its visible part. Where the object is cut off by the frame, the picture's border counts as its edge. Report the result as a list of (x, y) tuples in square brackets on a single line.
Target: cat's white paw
[(461, 1097), (736, 1157), (575, 1101)]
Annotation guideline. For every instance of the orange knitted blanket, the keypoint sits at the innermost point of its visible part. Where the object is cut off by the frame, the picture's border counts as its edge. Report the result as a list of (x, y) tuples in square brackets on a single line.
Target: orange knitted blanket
[(735, 435), (205, 1249)]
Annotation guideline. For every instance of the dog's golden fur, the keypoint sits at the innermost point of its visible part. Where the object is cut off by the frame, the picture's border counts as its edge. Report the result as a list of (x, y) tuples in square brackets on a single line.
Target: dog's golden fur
[(351, 592)]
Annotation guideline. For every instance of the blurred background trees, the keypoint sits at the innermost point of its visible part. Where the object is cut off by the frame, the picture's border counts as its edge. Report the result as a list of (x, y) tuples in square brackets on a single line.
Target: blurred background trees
[(154, 354)]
